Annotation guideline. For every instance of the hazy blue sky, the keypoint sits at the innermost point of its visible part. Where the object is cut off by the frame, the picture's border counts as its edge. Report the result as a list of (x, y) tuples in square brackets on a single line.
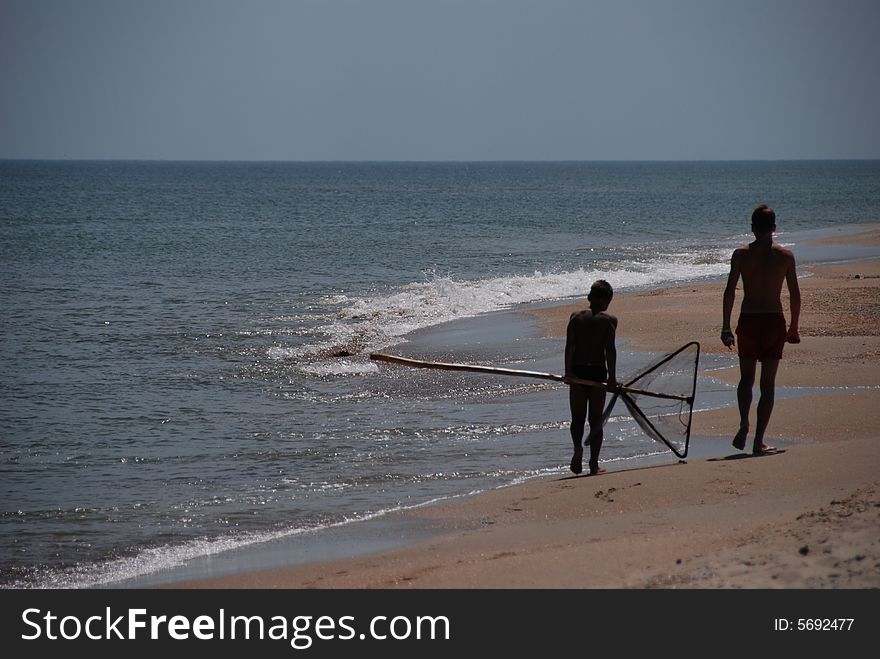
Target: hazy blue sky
[(440, 79)]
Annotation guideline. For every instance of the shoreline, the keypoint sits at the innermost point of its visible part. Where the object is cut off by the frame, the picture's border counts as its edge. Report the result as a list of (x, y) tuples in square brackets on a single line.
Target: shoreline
[(803, 518)]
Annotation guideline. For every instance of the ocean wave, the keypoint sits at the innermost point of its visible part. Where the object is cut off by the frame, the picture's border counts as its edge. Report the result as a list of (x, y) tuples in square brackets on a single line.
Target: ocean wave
[(368, 323), (167, 559)]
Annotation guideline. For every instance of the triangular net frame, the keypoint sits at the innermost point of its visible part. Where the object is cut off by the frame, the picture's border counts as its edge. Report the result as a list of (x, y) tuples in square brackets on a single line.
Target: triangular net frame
[(662, 403), (661, 398)]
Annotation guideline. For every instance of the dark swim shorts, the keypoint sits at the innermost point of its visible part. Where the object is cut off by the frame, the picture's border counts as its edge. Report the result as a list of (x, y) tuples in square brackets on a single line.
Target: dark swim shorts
[(590, 372), (761, 336)]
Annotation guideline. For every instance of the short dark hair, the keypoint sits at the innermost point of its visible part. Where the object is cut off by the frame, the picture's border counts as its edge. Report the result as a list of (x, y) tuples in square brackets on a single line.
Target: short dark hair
[(601, 290), (763, 219)]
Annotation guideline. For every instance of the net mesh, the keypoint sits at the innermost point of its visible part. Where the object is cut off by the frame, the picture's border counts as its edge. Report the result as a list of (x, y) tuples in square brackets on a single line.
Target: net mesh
[(661, 398)]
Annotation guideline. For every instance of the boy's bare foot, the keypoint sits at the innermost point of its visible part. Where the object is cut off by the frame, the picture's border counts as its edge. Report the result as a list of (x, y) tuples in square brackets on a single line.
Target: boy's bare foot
[(739, 440), (762, 449), (577, 461), (595, 469)]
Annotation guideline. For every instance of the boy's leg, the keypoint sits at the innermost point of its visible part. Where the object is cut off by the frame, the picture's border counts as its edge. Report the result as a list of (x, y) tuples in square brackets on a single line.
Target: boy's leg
[(577, 402), (765, 403), (747, 369), (597, 407)]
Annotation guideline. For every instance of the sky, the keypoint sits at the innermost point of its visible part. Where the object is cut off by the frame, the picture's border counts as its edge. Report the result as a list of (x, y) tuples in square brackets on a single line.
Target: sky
[(461, 80)]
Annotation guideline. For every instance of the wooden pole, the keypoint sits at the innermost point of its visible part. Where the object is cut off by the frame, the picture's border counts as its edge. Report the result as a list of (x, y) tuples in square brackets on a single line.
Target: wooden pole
[(494, 370)]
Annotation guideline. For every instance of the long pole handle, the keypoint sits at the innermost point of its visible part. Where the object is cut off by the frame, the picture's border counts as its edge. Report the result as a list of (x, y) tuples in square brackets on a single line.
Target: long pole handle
[(494, 370)]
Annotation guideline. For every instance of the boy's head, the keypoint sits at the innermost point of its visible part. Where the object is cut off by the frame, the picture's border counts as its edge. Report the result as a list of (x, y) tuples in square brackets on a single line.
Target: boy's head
[(763, 219), (600, 293)]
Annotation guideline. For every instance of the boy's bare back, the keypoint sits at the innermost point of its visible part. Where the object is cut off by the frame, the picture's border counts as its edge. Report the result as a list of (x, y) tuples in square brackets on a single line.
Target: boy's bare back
[(764, 268), (590, 334)]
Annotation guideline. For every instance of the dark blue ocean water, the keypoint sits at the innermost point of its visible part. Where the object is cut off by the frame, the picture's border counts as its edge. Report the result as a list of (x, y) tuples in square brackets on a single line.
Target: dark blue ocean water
[(185, 345)]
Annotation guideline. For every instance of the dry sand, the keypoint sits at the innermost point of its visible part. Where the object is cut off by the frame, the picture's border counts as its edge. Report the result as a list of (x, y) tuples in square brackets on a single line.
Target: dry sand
[(807, 517)]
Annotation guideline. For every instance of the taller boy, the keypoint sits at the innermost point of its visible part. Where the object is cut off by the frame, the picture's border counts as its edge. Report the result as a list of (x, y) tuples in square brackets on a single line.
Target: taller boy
[(761, 331)]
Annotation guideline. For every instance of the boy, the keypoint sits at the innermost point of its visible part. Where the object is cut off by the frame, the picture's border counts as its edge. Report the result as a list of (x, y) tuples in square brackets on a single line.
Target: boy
[(590, 354), (763, 266)]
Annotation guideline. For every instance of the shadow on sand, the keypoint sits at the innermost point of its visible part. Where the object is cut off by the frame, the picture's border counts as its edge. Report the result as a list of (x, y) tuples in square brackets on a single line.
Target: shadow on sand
[(742, 456)]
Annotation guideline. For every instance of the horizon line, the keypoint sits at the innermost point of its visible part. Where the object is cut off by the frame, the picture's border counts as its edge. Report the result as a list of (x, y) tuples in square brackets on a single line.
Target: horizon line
[(431, 161)]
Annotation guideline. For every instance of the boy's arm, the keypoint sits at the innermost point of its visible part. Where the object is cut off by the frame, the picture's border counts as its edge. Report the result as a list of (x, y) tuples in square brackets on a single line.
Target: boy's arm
[(794, 300), (611, 355), (729, 298), (569, 349)]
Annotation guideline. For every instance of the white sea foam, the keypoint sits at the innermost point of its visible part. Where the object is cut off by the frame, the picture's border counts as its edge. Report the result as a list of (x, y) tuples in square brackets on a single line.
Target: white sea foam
[(374, 322), (171, 557)]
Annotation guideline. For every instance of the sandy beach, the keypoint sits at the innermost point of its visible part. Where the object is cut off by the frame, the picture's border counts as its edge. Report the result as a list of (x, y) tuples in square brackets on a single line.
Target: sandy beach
[(805, 517)]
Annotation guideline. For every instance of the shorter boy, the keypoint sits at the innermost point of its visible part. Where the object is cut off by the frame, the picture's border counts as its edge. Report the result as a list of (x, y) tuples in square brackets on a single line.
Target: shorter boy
[(590, 354)]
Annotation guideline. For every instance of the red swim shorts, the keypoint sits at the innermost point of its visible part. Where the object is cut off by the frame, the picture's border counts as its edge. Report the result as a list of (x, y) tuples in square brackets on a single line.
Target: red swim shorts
[(761, 336)]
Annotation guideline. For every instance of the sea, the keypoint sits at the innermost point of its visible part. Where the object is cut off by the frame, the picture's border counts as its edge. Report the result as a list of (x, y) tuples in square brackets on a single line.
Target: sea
[(186, 386)]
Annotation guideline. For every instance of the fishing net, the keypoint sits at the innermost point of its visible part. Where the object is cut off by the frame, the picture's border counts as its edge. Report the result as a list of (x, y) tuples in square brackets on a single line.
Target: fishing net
[(661, 398)]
